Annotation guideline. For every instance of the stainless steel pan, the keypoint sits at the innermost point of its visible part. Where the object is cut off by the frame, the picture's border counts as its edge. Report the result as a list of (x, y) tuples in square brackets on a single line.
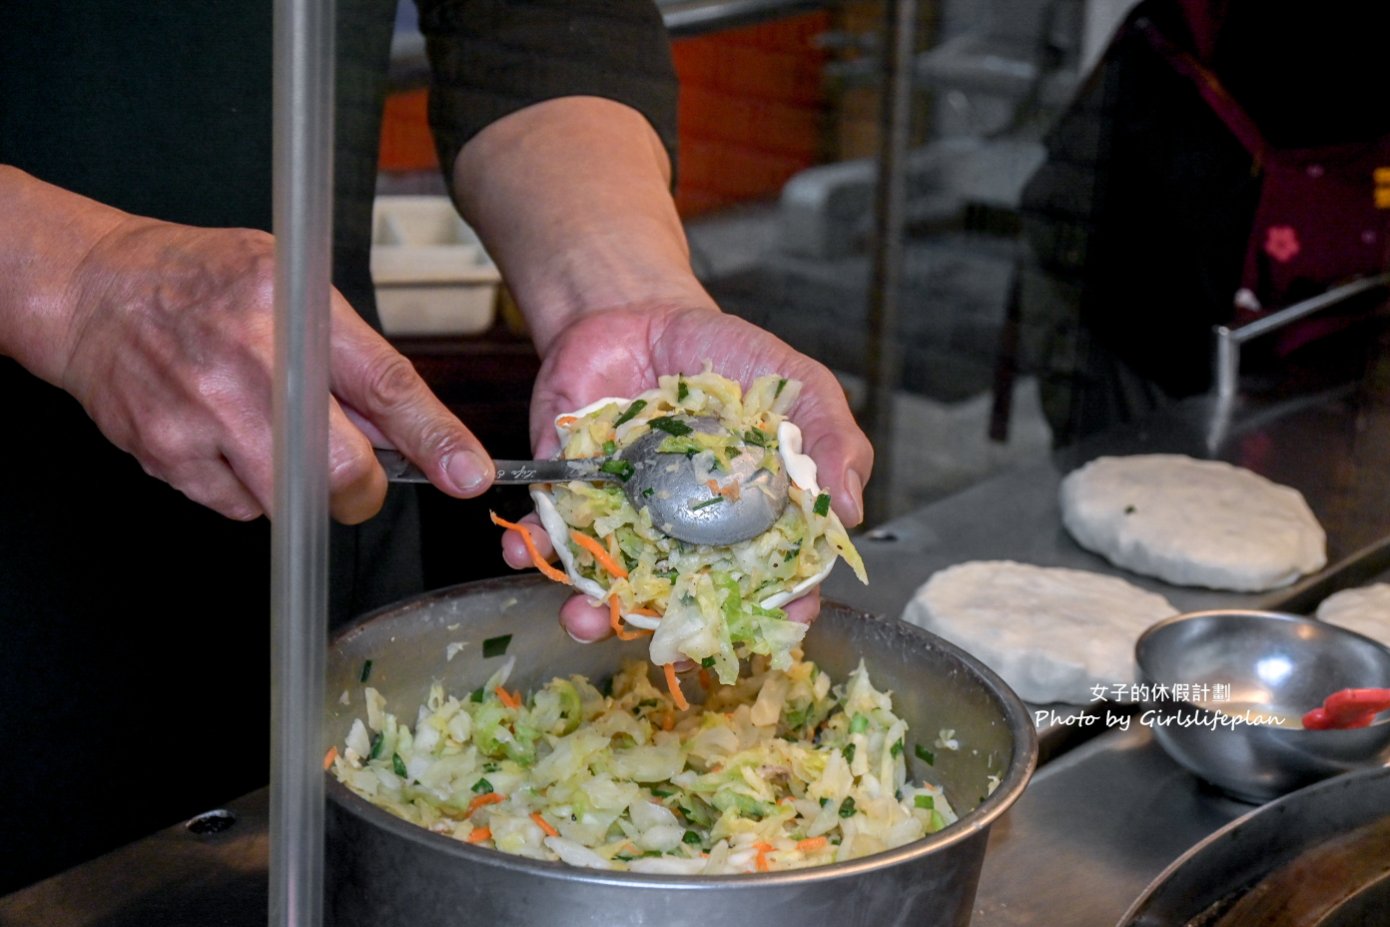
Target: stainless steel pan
[(383, 871)]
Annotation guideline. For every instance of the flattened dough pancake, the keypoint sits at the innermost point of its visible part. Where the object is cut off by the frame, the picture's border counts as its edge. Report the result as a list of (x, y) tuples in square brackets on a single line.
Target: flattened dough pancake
[(1193, 522), (1052, 633), (1365, 610)]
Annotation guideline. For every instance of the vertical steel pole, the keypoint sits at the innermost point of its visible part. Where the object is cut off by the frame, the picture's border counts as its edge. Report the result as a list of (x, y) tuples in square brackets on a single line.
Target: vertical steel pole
[(303, 198), (884, 361)]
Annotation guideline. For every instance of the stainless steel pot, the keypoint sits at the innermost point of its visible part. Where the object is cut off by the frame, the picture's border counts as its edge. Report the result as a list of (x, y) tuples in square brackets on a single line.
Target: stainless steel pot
[(384, 872)]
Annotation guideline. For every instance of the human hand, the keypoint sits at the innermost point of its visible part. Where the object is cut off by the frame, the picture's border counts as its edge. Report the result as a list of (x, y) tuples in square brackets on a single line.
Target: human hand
[(170, 350), (621, 352)]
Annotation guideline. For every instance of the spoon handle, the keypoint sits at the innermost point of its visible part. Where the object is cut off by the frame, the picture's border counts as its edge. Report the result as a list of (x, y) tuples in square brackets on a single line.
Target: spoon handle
[(400, 470)]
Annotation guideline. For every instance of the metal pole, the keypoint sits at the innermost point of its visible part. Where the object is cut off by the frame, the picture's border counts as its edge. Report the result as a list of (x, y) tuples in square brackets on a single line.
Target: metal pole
[(303, 197), (884, 360)]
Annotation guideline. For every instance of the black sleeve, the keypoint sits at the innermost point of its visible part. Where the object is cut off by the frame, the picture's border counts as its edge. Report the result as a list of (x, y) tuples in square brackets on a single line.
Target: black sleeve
[(493, 57)]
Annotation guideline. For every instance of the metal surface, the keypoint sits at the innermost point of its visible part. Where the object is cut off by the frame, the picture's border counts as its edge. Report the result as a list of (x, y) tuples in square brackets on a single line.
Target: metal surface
[(178, 877), (1315, 445), (1317, 858), (669, 485), (1095, 827), (685, 18), (384, 870), (677, 494), (303, 217), (1230, 338), (1276, 666), (883, 360), (509, 472)]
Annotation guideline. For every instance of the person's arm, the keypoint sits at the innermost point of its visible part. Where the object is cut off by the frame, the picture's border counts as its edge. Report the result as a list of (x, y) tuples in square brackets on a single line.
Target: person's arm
[(571, 196), (165, 334)]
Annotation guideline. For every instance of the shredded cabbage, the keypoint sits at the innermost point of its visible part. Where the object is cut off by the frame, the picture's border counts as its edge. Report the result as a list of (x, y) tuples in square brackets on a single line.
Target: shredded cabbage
[(781, 770), (706, 603)]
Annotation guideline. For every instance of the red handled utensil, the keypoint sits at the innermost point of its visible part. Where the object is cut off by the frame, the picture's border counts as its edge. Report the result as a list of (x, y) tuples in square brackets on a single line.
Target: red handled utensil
[(1348, 708)]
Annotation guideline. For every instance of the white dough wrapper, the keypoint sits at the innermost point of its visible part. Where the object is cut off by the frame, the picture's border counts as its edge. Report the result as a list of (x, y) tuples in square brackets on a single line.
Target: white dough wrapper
[(1193, 522), (1053, 634), (1365, 610)]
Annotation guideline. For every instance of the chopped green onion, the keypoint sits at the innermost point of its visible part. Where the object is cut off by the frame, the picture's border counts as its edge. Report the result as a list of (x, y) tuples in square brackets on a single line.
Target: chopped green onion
[(610, 448), (637, 406), (690, 837), (924, 801), (661, 793), (376, 746), (622, 469), (822, 506), (781, 385), (925, 755), (681, 390), (366, 670), (476, 695), (847, 809), (647, 493), (672, 426), (754, 436), (858, 724), (848, 753), (707, 503), (824, 802), (896, 749), (482, 787), (398, 765), (707, 662)]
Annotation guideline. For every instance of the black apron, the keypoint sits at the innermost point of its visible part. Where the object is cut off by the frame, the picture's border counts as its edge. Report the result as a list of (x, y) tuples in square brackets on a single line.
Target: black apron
[(134, 680)]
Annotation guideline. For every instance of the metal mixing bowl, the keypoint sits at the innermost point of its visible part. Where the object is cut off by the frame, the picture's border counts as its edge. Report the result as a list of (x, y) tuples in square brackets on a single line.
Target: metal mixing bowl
[(382, 871), (1272, 665)]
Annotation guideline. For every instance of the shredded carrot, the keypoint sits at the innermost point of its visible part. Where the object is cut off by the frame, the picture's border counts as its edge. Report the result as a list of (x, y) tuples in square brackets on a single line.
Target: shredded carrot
[(479, 834), (763, 850), (811, 844), (713, 485), (536, 557), (509, 699), (673, 684), (668, 721), (615, 621), (544, 825), (600, 554), (566, 421), (729, 491), (330, 756), (649, 612), (706, 680), (479, 801)]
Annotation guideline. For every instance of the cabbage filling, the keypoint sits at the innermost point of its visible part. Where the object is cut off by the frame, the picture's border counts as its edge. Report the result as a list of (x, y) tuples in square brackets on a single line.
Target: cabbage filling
[(781, 770), (710, 599)]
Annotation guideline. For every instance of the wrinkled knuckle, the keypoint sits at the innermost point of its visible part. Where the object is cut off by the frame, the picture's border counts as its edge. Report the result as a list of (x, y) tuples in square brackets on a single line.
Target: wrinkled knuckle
[(348, 469), (164, 447), (391, 382)]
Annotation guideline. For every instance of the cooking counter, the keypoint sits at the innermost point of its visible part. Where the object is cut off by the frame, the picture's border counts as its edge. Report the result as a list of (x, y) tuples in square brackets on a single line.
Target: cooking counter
[(1104, 815)]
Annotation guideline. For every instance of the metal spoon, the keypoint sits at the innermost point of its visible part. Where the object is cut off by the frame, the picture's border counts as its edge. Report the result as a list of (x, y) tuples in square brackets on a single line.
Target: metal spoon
[(681, 502)]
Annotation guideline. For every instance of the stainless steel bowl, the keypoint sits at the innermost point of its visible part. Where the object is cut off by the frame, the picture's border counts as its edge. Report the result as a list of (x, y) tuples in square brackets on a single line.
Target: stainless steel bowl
[(1271, 665), (382, 871)]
